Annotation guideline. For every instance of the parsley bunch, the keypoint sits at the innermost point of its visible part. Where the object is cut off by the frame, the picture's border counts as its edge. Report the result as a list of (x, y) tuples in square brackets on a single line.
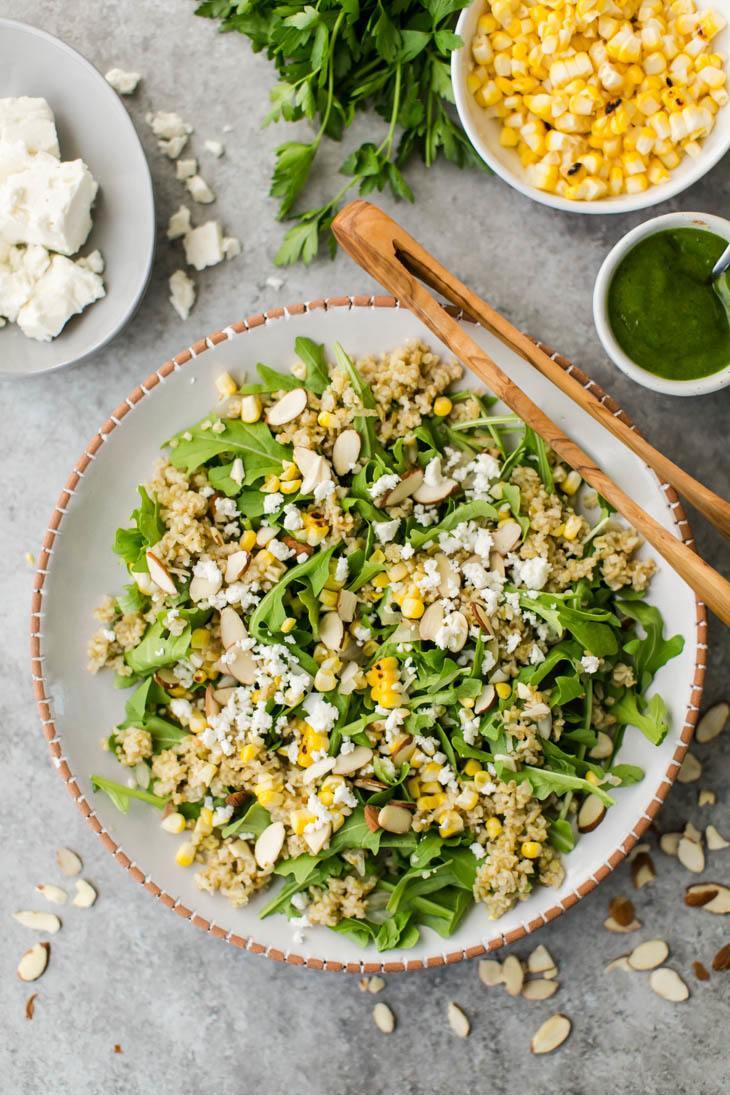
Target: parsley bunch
[(335, 57)]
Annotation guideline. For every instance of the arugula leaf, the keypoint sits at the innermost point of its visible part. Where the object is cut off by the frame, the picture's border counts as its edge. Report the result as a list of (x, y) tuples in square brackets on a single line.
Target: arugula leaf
[(627, 773), (270, 612), (261, 454), (649, 716), (254, 820), (120, 795), (149, 528), (561, 835), (317, 375), (545, 782), (468, 511), (364, 424), (653, 651), (155, 650)]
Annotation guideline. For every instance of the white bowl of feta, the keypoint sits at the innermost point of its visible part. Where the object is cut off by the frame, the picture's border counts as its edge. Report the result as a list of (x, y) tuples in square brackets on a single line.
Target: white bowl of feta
[(77, 222)]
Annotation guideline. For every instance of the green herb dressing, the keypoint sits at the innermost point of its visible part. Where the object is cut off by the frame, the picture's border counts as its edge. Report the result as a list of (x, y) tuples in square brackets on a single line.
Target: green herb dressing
[(665, 314)]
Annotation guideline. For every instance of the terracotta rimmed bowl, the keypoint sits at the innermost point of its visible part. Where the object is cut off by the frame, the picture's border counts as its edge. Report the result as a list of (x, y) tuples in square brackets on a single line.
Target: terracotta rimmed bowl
[(76, 567)]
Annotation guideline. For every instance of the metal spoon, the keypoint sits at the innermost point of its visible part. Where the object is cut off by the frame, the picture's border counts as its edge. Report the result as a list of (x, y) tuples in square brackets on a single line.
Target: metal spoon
[(721, 265)]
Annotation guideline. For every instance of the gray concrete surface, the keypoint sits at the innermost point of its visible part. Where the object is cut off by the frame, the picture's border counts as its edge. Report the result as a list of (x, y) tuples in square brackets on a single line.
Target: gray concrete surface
[(189, 1013)]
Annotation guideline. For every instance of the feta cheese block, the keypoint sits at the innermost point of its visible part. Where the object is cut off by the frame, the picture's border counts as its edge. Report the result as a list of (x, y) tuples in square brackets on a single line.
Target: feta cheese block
[(20, 269), (204, 245), (64, 290), (31, 122), (48, 203), (14, 157)]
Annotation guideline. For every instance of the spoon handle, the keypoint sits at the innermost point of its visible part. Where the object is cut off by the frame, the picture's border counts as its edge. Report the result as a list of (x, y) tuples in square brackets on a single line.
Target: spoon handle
[(721, 265)]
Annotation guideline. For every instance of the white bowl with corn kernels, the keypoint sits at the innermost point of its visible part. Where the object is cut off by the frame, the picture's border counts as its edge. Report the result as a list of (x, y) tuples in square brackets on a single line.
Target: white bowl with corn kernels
[(484, 128)]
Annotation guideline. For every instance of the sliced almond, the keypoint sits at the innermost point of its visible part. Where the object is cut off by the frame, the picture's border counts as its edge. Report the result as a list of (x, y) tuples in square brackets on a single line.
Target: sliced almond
[(305, 459), (638, 849), (506, 537), (481, 617), (236, 799), (346, 451), (348, 678), (690, 769), (235, 565), (222, 695), (346, 605), (430, 494), (591, 814), (357, 758), (706, 797), (669, 985), (38, 921), (612, 925), (30, 1005), (513, 975), (622, 910), (700, 971), (721, 961), (371, 818), (403, 749), (620, 963), (394, 819), (159, 573), (539, 989), (669, 843), (233, 629), (603, 747), (286, 409), (702, 894), (202, 588), (458, 1021), (269, 844), (485, 699), (52, 893), (715, 840), (212, 707), (642, 870), (649, 955), (242, 667), (712, 723), (297, 546), (691, 855), (68, 862), (331, 631), (490, 972), (450, 578), (551, 1034), (383, 1018), (317, 839), (406, 488), (85, 894), (496, 564), (540, 960), (692, 833), (317, 770), (376, 984), (33, 963), (430, 622)]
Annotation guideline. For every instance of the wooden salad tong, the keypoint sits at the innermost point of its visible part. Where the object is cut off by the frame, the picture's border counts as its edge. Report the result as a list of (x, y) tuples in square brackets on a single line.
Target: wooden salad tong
[(387, 252)]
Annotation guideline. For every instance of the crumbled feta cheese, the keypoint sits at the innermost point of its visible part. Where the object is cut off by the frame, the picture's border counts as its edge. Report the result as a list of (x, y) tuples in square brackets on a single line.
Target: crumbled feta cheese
[(94, 261), (292, 518), (321, 715), (124, 83), (273, 501), (215, 148), (532, 573), (590, 663), (513, 641), (407, 551), (477, 850), (204, 245), (341, 569), (182, 293), (64, 290), (275, 283), (185, 169), (279, 550), (199, 190), (28, 122), (323, 491), (425, 515), (179, 223), (382, 486), (231, 247), (166, 125), (386, 530)]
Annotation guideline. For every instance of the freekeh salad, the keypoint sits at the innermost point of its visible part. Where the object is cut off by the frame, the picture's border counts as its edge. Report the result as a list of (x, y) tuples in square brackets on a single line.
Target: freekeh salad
[(375, 650)]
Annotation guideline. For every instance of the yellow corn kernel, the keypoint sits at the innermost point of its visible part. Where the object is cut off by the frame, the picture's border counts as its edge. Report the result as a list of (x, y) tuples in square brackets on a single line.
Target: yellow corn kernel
[(380, 581), (572, 527), (288, 625), (503, 690), (369, 648), (431, 787), (488, 94), (329, 598), (247, 753), (269, 797), (493, 827), (571, 483), (289, 472), (414, 786), (325, 680), (591, 777), (199, 638), (291, 487), (173, 823), (426, 803), (509, 138), (270, 484), (185, 855), (198, 722), (204, 823), (450, 823), (530, 849), (299, 819), (474, 84), (467, 799), (635, 184), (442, 406), (487, 24), (326, 797), (472, 767), (226, 385), (412, 608), (248, 540), (250, 408), (656, 172)]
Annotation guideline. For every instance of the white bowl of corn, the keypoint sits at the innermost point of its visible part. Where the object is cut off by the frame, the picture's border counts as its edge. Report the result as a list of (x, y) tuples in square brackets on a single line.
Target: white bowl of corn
[(598, 106)]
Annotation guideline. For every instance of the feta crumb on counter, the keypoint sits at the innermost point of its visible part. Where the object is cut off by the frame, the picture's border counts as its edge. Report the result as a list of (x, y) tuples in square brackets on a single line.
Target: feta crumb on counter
[(215, 148), (124, 83), (231, 247), (184, 169), (204, 245), (182, 293), (199, 190), (179, 223)]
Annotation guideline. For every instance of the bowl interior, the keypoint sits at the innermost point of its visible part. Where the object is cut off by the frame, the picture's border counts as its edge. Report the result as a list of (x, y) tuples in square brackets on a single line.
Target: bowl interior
[(92, 124), (483, 131), (82, 569)]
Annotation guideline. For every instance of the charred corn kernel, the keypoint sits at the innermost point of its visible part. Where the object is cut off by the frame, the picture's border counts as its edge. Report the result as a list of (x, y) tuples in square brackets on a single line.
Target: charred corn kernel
[(503, 690), (493, 827), (467, 799), (247, 753), (572, 527), (450, 823), (288, 625), (199, 638), (571, 483), (442, 406), (412, 608), (530, 849), (426, 803), (270, 484), (472, 767), (250, 408), (248, 540), (173, 823), (299, 819), (226, 385), (325, 419), (185, 855)]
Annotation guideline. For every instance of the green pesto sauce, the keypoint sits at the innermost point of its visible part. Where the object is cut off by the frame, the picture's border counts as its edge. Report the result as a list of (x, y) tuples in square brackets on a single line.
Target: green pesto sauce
[(665, 315)]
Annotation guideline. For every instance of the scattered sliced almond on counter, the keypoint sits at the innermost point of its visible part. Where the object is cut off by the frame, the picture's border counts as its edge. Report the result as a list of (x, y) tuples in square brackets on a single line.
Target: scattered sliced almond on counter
[(38, 921), (700, 971), (612, 925), (68, 862), (669, 985), (642, 870), (490, 972), (384, 1018), (513, 975), (690, 769), (691, 855), (376, 984), (30, 1005), (721, 961), (621, 909), (52, 893), (715, 840), (85, 895), (713, 897), (669, 843), (712, 723), (551, 1034), (706, 797), (541, 961), (648, 955), (33, 963), (620, 963), (458, 1021), (539, 989)]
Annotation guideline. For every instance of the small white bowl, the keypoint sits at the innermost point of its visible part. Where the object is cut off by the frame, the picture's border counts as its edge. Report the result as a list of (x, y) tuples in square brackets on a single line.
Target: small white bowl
[(706, 221), (483, 132)]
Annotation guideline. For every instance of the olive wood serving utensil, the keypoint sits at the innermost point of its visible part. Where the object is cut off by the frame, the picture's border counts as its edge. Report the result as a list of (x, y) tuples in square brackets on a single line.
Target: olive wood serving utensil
[(387, 252)]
